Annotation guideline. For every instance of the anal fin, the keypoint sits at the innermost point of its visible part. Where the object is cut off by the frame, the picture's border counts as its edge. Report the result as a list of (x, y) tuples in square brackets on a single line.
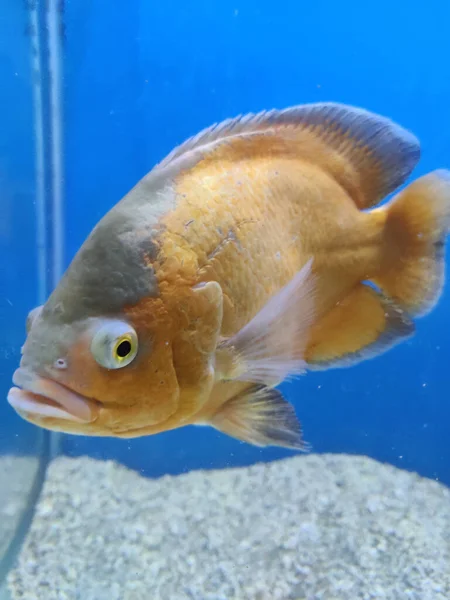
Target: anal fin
[(262, 417), (363, 325)]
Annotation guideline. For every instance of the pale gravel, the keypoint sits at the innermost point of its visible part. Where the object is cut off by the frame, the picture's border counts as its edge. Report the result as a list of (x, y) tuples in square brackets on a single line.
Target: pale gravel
[(316, 527), (17, 474)]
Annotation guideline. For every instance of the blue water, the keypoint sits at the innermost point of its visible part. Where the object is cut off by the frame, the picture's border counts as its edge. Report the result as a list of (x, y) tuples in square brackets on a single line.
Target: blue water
[(18, 277), (139, 80)]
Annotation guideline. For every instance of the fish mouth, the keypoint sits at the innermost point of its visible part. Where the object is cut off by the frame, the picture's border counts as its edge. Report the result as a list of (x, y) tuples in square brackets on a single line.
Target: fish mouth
[(44, 397)]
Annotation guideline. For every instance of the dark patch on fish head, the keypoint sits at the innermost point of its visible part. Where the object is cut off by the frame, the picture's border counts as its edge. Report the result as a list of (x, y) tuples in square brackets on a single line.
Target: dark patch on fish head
[(113, 269)]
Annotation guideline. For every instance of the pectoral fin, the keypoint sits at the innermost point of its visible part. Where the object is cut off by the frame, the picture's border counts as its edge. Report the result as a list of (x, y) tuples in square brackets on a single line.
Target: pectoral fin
[(361, 326), (270, 348), (262, 417)]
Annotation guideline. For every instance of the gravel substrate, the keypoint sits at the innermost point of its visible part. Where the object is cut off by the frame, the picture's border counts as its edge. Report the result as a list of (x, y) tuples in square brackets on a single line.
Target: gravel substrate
[(317, 527), (17, 475)]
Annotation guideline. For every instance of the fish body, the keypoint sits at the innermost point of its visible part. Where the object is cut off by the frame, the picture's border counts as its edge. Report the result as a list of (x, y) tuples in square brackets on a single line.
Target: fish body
[(240, 260)]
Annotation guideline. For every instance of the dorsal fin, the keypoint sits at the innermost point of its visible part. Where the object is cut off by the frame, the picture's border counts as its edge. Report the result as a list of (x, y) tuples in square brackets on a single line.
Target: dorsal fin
[(368, 154)]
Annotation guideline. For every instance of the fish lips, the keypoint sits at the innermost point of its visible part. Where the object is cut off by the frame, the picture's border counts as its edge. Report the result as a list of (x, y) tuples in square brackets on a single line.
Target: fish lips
[(42, 397)]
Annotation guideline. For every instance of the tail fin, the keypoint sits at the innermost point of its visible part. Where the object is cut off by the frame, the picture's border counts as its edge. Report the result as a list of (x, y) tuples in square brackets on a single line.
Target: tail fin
[(417, 222)]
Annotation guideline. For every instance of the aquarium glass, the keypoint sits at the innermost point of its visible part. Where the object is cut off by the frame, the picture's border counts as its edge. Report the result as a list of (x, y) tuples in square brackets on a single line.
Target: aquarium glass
[(94, 94)]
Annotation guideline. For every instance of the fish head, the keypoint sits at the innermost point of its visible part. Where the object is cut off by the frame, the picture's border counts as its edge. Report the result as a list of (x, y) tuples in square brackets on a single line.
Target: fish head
[(122, 347), (96, 376)]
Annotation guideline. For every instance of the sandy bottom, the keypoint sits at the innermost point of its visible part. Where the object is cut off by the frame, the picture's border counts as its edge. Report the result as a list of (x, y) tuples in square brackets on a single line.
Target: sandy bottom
[(17, 475), (317, 527)]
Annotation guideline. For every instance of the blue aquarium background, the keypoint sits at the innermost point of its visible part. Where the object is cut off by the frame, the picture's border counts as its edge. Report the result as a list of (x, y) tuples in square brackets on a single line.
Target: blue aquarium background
[(140, 77)]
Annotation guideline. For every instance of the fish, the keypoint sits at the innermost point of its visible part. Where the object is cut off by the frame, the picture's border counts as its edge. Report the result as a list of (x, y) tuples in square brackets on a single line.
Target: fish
[(264, 247)]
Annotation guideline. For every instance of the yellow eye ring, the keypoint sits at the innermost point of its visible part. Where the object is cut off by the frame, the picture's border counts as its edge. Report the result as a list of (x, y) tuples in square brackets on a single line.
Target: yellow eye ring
[(114, 344), (123, 347)]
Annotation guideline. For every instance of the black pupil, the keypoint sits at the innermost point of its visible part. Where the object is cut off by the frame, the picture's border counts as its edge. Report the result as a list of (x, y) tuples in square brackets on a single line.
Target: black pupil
[(123, 349)]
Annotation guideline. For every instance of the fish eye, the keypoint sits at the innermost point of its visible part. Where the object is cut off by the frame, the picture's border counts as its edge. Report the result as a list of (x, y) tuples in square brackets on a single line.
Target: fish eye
[(114, 345)]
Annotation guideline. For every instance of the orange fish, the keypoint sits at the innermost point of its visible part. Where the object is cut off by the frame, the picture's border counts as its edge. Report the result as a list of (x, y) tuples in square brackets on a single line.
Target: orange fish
[(243, 258)]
